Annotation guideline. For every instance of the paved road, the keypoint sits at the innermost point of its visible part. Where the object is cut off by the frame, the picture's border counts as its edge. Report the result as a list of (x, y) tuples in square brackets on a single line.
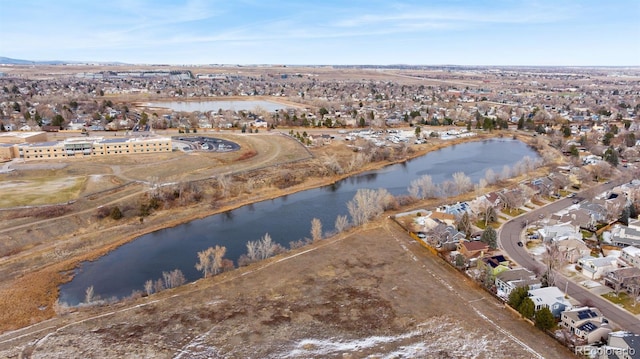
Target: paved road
[(510, 235)]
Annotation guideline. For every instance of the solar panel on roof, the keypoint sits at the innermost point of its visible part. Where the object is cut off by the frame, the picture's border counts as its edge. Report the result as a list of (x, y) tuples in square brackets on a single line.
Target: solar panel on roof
[(585, 314), (588, 327)]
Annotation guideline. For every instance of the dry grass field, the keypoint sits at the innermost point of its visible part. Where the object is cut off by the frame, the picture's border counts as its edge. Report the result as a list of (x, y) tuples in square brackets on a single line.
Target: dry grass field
[(372, 293)]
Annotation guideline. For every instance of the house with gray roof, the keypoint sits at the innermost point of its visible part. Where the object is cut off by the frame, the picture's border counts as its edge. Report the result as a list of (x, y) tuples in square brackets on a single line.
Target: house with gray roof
[(509, 280), (621, 345), (597, 267), (586, 323), (623, 236), (550, 297)]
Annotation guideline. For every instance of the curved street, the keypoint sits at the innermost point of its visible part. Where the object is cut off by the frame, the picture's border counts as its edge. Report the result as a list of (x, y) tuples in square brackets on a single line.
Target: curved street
[(511, 233)]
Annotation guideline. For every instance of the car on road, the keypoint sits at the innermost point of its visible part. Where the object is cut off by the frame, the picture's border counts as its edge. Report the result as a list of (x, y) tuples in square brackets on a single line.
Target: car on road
[(576, 201), (572, 195), (520, 244)]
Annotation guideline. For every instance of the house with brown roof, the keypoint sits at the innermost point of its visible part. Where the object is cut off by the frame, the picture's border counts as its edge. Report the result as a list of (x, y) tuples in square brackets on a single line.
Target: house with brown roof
[(472, 249)]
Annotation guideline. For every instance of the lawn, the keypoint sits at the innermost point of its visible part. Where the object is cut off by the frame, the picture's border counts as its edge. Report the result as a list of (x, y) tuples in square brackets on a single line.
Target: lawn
[(624, 301), (513, 212), (480, 224), (40, 191), (537, 202)]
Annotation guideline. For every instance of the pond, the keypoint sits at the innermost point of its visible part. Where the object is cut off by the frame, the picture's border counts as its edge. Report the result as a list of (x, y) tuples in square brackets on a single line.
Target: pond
[(215, 105), (286, 219)]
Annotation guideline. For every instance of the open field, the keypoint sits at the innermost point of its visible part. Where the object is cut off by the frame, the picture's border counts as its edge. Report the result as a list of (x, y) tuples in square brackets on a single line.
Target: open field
[(332, 296), (40, 191), (371, 293)]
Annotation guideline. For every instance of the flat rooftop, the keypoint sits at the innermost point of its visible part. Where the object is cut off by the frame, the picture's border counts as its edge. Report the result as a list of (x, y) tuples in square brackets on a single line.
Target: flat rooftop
[(20, 134)]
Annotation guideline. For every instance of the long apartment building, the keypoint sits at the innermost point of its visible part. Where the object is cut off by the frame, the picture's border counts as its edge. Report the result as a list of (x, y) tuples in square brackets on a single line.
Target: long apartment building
[(94, 146)]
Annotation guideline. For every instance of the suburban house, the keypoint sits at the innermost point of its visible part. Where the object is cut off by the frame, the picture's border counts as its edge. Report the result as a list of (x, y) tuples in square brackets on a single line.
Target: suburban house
[(472, 249), (573, 249), (481, 203), (597, 211), (576, 217), (456, 209), (623, 236), (631, 255), (550, 297), (511, 279), (596, 268), (586, 323), (623, 278), (559, 232), (542, 185), (497, 264), (622, 344)]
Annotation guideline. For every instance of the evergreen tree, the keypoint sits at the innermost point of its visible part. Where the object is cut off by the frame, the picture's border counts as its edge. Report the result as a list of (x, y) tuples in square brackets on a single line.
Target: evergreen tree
[(611, 156), (527, 308), (517, 296), (521, 122), (544, 319), (490, 237)]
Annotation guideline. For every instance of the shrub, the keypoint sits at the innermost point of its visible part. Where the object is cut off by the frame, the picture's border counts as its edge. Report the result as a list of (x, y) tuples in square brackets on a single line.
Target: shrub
[(115, 213)]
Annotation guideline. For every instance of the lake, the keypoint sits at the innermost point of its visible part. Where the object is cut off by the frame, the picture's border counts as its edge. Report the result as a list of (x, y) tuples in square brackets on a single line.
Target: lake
[(286, 219)]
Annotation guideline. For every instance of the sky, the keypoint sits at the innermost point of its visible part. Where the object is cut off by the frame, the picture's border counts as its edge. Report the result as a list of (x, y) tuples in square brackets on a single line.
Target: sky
[(328, 32)]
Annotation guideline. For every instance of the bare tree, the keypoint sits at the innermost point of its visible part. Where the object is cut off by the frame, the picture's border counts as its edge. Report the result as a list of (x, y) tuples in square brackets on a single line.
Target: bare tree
[(331, 163), (88, 295), (490, 176), (224, 182), (512, 199), (252, 250), (553, 259), (423, 187), (261, 249), (600, 170), (341, 223), (173, 279), (614, 209), (316, 229), (266, 247), (158, 286), (368, 204), (506, 173), (210, 260), (462, 182), (148, 287), (527, 193), (482, 184), (448, 188)]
